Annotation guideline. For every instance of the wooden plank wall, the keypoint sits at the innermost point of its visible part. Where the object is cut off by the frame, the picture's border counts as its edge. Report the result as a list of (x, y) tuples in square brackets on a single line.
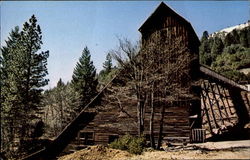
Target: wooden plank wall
[(112, 121)]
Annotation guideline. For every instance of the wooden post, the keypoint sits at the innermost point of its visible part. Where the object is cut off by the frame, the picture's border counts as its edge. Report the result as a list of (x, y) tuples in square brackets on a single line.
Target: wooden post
[(222, 102), (227, 101), (206, 112), (216, 101), (210, 104)]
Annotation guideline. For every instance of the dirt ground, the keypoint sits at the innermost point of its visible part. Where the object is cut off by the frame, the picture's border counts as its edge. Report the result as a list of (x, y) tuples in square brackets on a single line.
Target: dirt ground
[(210, 150), (97, 153), (194, 154)]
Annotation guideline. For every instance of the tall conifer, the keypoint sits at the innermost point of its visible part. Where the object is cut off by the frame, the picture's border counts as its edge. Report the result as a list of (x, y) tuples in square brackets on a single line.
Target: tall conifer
[(23, 69), (84, 78)]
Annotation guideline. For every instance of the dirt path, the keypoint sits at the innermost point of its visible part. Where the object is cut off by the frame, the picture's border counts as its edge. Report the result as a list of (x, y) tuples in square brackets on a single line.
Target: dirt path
[(194, 154), (209, 150)]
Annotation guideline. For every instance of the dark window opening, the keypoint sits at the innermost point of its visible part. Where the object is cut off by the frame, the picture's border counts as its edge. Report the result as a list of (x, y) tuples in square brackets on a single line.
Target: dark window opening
[(147, 137), (112, 138), (87, 138)]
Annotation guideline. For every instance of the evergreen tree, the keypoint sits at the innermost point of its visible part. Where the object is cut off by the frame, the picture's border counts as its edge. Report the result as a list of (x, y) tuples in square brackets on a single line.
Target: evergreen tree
[(205, 49), (10, 85), (243, 37), (84, 78), (228, 40), (236, 37), (232, 38), (34, 70), (107, 68), (107, 65), (204, 36), (60, 83), (23, 76), (217, 48), (108, 71), (248, 36)]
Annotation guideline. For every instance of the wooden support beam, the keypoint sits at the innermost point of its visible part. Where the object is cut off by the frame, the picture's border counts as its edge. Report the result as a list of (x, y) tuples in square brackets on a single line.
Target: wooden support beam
[(217, 103), (239, 105), (219, 78), (222, 100), (206, 112), (226, 96), (210, 104), (247, 100)]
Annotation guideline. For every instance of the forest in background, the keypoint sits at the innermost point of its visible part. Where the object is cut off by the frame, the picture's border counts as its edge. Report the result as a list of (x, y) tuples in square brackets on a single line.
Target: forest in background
[(227, 53), (30, 116)]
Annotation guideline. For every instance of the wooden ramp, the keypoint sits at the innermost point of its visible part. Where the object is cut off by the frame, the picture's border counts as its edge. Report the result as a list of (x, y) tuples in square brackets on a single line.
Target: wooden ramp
[(58, 145), (220, 79), (224, 103)]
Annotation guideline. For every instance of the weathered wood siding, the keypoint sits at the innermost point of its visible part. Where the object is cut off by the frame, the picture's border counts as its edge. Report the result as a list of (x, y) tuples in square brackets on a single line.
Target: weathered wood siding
[(119, 117)]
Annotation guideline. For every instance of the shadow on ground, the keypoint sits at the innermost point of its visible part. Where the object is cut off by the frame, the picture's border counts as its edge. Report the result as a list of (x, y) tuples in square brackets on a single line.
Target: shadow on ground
[(237, 132)]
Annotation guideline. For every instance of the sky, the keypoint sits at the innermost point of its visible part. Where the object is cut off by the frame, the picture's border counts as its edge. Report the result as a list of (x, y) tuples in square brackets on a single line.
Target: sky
[(69, 26)]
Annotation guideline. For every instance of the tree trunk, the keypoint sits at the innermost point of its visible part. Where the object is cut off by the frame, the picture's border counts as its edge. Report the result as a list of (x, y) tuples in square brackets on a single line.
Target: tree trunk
[(143, 106), (140, 109), (151, 125), (139, 114), (161, 127)]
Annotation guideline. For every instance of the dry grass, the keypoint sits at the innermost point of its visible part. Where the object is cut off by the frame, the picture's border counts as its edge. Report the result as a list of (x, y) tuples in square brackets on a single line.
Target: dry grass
[(97, 153), (104, 153)]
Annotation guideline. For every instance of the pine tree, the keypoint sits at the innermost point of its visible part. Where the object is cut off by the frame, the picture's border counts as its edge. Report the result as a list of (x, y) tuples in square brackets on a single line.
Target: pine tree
[(217, 48), (23, 76), (60, 83), (232, 38), (10, 85), (236, 37), (34, 70), (104, 74), (204, 36), (205, 49), (248, 36), (243, 37), (107, 65), (84, 78), (228, 40)]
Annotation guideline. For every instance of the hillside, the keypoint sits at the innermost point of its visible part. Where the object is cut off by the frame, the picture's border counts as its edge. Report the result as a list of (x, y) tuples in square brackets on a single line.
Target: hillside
[(227, 52), (227, 30)]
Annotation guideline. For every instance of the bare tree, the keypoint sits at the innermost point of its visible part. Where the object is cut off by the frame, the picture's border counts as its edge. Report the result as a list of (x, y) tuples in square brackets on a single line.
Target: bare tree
[(159, 72), (167, 68), (127, 57)]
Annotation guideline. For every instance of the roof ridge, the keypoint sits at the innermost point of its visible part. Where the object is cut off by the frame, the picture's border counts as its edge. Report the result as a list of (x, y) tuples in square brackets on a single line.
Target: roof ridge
[(162, 4)]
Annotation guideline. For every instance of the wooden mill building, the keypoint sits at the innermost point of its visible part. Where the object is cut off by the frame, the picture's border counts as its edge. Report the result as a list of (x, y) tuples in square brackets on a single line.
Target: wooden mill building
[(116, 113), (113, 112)]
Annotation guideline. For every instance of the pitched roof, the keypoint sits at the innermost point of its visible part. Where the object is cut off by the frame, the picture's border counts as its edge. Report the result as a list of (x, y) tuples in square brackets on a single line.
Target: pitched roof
[(163, 9)]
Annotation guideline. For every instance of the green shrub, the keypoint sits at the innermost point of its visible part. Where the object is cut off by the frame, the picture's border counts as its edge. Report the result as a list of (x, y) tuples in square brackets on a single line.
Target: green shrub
[(134, 145)]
